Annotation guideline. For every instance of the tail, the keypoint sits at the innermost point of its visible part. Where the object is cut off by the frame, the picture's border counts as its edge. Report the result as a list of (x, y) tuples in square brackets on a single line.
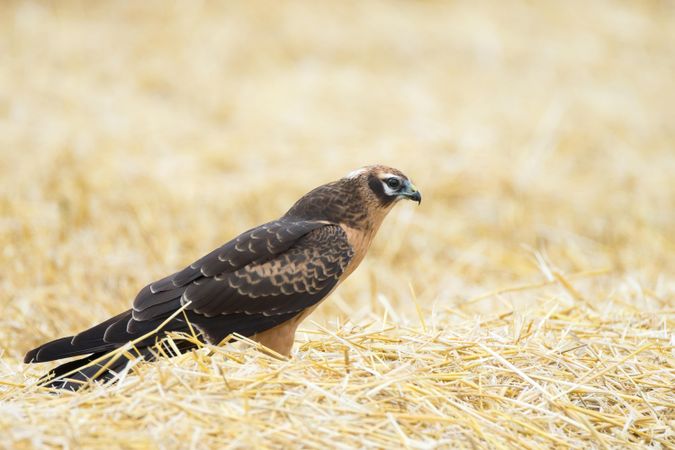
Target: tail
[(73, 375), (99, 341)]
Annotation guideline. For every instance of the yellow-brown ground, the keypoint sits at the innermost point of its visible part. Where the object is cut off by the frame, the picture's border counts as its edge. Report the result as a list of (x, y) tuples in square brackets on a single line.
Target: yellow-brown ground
[(529, 301)]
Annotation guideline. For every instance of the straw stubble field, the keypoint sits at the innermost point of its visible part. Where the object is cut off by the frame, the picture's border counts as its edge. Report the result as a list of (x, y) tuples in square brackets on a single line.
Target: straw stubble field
[(528, 302)]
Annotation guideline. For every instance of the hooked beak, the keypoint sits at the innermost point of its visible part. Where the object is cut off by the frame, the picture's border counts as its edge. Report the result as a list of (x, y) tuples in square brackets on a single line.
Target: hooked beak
[(410, 192)]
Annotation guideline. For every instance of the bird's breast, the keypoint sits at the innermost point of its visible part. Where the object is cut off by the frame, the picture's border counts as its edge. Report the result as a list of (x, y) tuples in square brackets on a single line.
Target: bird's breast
[(359, 240)]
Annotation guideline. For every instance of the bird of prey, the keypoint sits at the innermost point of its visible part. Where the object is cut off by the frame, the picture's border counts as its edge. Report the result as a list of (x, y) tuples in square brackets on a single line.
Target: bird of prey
[(261, 284)]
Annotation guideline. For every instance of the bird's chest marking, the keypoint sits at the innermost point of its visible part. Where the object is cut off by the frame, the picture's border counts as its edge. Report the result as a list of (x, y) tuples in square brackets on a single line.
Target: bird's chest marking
[(359, 240)]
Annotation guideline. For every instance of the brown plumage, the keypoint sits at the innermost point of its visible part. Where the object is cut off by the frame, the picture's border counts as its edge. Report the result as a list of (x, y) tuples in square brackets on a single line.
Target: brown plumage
[(261, 284)]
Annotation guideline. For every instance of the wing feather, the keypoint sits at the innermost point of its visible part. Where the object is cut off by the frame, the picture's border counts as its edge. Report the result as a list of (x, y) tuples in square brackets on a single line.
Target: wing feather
[(260, 243), (269, 289), (255, 282), (290, 282)]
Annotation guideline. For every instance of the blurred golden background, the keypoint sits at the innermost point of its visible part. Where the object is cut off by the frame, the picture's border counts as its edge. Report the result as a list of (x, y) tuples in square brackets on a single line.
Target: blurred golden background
[(136, 136)]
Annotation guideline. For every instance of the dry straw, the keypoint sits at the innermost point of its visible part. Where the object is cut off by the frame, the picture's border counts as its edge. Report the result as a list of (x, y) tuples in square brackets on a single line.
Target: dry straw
[(529, 302)]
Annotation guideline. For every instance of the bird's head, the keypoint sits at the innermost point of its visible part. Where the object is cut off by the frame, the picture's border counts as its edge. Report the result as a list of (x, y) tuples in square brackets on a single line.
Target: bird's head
[(361, 199), (385, 185)]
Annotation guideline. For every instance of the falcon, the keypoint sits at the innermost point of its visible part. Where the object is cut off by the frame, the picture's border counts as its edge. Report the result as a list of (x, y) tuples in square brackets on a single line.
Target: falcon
[(260, 285)]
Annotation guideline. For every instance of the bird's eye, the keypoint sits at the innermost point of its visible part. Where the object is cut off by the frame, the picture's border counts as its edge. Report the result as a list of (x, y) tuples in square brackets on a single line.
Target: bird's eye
[(393, 183)]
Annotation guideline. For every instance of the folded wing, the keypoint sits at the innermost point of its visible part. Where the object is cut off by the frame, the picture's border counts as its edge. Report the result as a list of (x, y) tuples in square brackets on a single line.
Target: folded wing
[(254, 282), (265, 292)]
